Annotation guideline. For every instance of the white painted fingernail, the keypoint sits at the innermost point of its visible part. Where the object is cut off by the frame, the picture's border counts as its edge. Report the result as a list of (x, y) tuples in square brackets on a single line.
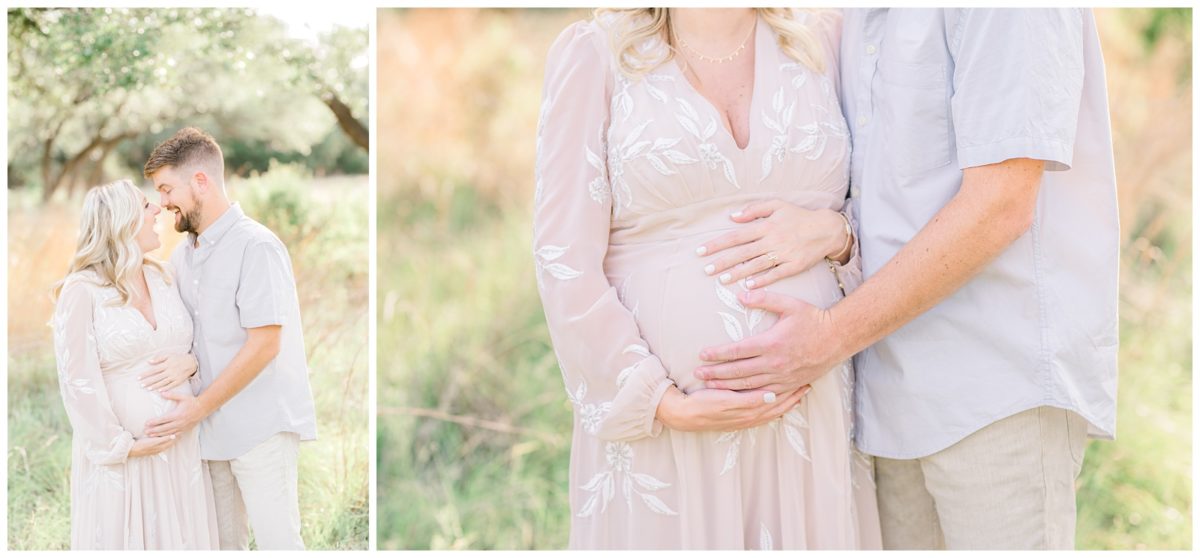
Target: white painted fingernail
[(725, 277), (772, 399), (769, 397), (736, 214), (709, 269), (700, 251), (749, 283)]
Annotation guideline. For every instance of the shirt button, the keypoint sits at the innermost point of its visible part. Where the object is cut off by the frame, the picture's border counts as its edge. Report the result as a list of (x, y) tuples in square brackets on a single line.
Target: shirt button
[(854, 192), (196, 282), (862, 121), (871, 49)]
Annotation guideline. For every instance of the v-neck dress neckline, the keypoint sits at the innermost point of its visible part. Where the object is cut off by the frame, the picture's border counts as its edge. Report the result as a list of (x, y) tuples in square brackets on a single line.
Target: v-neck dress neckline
[(756, 87)]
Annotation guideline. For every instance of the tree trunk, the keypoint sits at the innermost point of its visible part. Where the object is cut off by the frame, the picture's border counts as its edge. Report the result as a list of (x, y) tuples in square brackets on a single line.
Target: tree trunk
[(346, 121), (97, 175)]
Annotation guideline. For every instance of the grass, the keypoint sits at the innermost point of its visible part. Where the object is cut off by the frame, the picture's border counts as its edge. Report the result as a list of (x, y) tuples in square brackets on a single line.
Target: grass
[(322, 225), (474, 426)]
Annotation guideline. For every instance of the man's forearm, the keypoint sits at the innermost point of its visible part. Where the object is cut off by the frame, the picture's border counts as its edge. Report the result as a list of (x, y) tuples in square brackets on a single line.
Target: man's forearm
[(250, 360), (994, 207)]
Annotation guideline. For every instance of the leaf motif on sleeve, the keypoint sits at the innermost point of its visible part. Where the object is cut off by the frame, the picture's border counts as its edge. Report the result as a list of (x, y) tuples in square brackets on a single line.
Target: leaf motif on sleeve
[(551, 252), (562, 272)]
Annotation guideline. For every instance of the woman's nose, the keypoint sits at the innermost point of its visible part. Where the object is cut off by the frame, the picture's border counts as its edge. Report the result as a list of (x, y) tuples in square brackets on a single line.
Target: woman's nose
[(155, 209)]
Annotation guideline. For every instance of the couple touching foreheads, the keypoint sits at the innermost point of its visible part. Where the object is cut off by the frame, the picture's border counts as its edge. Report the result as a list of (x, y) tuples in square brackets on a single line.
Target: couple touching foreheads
[(772, 340), (185, 384)]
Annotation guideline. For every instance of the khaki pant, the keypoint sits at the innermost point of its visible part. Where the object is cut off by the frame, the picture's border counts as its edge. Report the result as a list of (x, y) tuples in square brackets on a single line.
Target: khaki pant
[(1010, 486), (261, 487)]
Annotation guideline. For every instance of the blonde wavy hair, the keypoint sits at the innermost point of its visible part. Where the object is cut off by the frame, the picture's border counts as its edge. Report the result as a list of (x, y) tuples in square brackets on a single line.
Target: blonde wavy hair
[(108, 227), (628, 28)]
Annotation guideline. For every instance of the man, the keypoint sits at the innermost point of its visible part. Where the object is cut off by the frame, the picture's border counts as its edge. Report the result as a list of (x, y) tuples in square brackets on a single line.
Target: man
[(254, 404), (982, 178)]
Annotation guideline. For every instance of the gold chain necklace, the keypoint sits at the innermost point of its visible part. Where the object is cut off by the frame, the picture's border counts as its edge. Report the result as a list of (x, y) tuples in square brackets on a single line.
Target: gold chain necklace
[(717, 59)]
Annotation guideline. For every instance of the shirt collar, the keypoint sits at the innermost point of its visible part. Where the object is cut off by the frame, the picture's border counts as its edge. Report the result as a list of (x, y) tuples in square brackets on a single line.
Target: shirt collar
[(222, 225)]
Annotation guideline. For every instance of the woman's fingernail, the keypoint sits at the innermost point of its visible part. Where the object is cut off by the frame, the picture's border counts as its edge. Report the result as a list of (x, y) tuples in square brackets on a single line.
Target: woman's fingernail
[(725, 277), (769, 397), (702, 250), (749, 283), (736, 214), (173, 436), (709, 269)]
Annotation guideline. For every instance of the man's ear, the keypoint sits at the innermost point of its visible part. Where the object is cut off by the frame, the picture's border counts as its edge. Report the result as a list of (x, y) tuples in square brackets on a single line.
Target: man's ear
[(201, 181)]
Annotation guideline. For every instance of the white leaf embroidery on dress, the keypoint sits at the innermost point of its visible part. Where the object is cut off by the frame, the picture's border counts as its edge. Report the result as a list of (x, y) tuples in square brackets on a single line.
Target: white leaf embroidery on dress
[(545, 260), (793, 423), (765, 540), (537, 170), (619, 457), (732, 326), (710, 155)]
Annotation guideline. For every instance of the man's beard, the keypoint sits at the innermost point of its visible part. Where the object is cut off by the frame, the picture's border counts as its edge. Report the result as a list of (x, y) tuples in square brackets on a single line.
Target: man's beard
[(188, 220)]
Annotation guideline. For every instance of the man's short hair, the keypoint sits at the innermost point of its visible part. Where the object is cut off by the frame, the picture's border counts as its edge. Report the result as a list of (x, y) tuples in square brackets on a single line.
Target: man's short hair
[(188, 146)]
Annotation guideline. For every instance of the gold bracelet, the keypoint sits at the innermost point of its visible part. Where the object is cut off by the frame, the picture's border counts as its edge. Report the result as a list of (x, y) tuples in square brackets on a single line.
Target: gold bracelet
[(849, 234), (849, 246)]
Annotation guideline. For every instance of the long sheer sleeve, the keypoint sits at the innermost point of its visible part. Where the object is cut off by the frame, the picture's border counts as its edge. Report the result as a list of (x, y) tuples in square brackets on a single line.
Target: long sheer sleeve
[(104, 440), (611, 377)]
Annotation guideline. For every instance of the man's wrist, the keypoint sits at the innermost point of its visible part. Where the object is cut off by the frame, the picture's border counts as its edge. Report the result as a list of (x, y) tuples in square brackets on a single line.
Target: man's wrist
[(836, 343)]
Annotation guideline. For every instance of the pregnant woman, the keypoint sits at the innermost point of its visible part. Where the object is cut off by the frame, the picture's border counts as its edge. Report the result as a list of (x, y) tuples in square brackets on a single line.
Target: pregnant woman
[(117, 314), (657, 127)]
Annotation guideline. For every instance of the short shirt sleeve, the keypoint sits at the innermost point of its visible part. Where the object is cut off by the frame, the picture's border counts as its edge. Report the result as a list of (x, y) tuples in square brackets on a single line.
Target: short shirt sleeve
[(266, 286), (1018, 82)]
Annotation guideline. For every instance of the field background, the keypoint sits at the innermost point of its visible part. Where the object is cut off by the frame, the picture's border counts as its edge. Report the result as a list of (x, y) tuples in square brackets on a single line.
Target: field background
[(306, 183), (474, 425)]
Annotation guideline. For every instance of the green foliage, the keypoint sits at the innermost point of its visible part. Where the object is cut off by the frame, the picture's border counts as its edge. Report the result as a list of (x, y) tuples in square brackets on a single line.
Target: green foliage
[(85, 82), (461, 318)]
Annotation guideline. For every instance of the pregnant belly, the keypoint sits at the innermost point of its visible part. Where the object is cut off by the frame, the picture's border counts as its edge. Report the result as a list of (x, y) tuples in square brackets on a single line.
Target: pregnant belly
[(681, 310), (133, 404)]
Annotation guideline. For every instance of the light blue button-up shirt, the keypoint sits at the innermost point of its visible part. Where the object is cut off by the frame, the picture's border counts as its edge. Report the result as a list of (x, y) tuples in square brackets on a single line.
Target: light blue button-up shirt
[(237, 276), (927, 93)]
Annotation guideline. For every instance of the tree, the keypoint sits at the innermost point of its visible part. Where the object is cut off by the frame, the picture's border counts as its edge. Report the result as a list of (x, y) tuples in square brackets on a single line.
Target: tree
[(84, 81)]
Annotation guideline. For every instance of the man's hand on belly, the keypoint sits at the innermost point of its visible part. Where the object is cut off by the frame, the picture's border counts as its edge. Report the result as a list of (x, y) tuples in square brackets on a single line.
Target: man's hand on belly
[(797, 350), (186, 415)]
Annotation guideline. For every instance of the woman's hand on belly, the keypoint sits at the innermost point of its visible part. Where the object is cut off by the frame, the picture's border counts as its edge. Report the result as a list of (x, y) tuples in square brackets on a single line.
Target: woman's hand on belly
[(166, 373), (778, 239), (720, 410), (151, 445)]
